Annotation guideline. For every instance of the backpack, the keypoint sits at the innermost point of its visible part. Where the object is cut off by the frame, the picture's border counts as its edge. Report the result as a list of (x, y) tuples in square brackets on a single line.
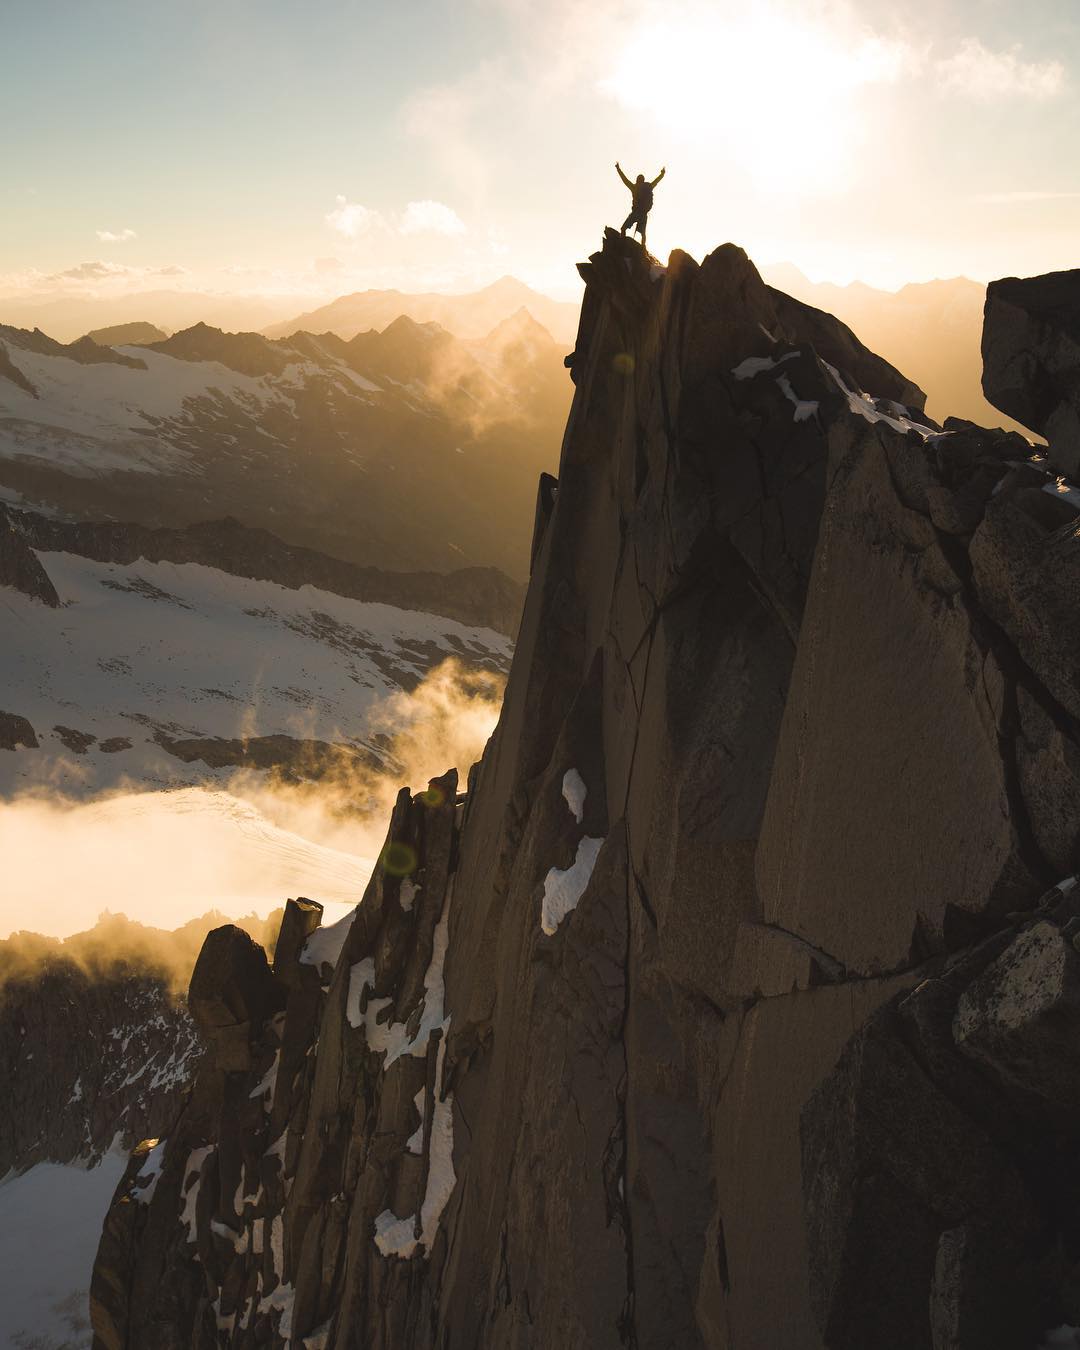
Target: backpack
[(643, 197)]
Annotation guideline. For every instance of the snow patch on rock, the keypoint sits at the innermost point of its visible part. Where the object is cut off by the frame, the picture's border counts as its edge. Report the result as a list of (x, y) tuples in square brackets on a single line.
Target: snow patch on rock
[(146, 1179), (397, 1237), (324, 946), (574, 791), (192, 1182), (757, 365), (268, 1083), (563, 889), (392, 1038), (862, 405), (804, 408)]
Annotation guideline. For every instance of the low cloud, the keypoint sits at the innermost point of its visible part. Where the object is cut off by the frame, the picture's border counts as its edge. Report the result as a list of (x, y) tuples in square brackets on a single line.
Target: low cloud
[(351, 219), (428, 217), (91, 271), (245, 845), (116, 236), (974, 71)]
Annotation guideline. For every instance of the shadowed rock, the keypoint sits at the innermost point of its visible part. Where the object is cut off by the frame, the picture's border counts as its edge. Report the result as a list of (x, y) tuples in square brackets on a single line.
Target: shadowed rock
[(19, 564), (16, 731), (1031, 358), (232, 993)]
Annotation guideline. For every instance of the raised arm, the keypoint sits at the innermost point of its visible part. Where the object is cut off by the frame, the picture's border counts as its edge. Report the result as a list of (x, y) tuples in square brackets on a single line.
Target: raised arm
[(623, 176), (659, 176)]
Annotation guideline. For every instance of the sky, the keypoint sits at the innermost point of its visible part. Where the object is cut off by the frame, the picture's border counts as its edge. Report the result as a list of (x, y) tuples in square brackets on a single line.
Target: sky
[(302, 151)]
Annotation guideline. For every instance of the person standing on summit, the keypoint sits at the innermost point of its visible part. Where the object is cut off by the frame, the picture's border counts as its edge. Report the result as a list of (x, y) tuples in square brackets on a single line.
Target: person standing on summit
[(641, 193)]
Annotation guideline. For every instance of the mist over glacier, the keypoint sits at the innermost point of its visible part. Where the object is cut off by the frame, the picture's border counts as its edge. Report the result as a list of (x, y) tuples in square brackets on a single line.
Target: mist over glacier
[(237, 841)]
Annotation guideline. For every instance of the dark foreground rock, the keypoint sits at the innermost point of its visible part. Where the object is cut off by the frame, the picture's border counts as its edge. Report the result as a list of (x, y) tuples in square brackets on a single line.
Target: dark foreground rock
[(696, 1022), (1031, 358)]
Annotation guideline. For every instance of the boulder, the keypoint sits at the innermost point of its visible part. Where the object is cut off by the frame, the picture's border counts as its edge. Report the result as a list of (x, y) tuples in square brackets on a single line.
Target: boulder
[(1031, 358), (1020, 1019), (232, 993), (914, 1216)]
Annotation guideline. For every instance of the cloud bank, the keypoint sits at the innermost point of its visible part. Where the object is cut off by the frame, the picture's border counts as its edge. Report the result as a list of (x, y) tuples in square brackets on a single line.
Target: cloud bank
[(353, 220)]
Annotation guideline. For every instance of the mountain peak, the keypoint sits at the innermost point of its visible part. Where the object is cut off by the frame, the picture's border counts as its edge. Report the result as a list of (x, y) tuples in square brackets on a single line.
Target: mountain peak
[(246, 353), (469, 315)]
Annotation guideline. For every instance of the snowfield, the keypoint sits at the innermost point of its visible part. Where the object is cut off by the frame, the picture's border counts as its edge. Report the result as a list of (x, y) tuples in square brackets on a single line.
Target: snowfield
[(103, 417), (102, 815), (194, 652), (51, 1223)]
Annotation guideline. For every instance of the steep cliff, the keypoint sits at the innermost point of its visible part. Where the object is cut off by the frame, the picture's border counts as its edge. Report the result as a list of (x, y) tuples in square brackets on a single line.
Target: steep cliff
[(632, 1043), (89, 1060)]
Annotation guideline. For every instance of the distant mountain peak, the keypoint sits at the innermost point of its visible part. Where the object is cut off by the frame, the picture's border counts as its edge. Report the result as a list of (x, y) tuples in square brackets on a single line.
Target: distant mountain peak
[(246, 353), (470, 315), (138, 333)]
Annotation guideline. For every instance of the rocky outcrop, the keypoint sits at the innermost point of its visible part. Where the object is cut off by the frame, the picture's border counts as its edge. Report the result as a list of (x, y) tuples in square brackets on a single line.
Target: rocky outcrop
[(941, 1149), (291, 758), (722, 1010), (19, 565), (472, 595), (1031, 358), (16, 731), (89, 1059)]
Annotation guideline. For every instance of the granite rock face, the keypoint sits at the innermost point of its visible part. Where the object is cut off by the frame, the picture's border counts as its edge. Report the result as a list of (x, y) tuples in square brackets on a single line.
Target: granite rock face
[(1031, 358), (648, 1039)]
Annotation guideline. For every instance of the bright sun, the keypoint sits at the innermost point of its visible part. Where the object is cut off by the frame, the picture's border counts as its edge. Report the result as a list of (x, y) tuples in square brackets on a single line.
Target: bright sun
[(766, 89)]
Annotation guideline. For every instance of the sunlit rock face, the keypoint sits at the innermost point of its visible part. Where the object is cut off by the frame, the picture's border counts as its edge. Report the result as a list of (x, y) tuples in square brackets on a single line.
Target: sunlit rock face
[(699, 1004)]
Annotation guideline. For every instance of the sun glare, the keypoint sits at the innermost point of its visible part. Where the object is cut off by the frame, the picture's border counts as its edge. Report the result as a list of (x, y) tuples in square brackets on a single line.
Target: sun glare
[(770, 92)]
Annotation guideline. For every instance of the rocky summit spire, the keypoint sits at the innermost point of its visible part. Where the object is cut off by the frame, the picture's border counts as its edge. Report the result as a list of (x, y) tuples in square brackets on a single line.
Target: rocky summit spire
[(734, 1005)]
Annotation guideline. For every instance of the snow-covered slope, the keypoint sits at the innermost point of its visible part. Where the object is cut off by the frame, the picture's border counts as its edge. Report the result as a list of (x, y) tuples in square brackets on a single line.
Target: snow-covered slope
[(50, 1225), (143, 655)]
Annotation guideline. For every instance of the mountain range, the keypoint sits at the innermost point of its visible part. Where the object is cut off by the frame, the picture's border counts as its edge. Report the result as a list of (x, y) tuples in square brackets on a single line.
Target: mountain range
[(406, 449), (467, 316)]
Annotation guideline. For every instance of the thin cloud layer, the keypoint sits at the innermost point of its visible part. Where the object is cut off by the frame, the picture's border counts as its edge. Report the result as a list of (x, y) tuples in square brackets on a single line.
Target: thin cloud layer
[(976, 72), (428, 217), (352, 220), (116, 237)]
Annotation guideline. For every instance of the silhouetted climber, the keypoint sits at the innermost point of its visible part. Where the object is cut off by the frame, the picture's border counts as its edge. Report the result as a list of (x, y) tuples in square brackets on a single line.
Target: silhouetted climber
[(642, 194)]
